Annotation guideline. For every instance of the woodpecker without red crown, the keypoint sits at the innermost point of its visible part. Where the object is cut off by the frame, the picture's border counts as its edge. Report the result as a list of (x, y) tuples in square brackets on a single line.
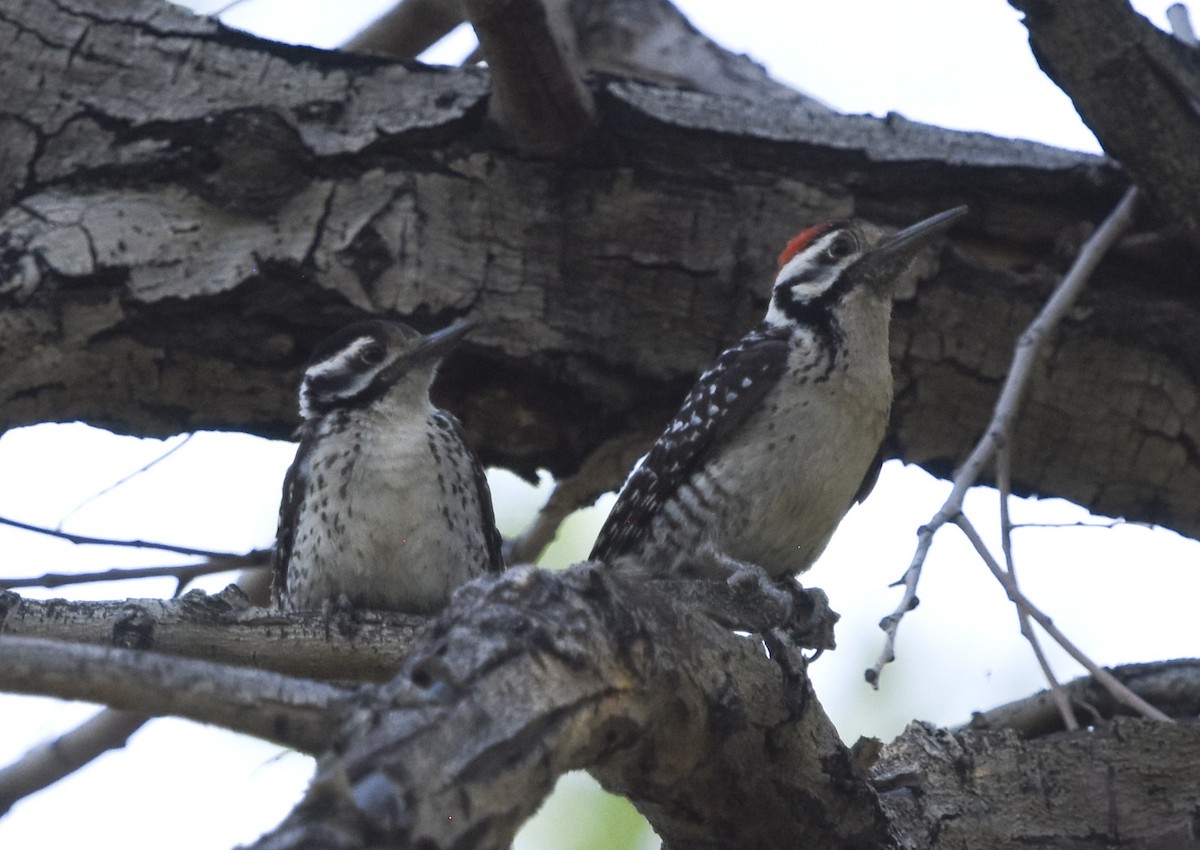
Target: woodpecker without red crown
[(384, 503), (776, 442)]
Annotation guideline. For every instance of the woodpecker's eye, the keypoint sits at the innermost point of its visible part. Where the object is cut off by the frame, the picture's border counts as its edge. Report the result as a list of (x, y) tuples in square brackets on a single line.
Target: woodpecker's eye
[(372, 355), (842, 246)]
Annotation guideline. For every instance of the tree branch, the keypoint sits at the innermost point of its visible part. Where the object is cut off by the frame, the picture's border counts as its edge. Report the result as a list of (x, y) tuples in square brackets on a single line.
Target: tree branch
[(1000, 429), (294, 712), (83, 539), (366, 645), (1130, 82), (538, 94), (183, 575), (409, 28), (659, 702), (1118, 691), (49, 762)]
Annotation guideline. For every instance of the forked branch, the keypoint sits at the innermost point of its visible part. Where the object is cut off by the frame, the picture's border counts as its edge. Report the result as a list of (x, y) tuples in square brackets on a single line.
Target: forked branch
[(999, 431)]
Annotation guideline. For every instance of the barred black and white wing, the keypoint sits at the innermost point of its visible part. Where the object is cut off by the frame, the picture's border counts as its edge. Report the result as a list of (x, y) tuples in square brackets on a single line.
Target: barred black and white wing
[(721, 400), (295, 483)]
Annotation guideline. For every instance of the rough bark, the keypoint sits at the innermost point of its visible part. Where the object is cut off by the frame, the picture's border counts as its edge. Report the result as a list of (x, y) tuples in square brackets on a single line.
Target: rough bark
[(187, 210), (716, 742), (224, 628), (1135, 86), (1127, 783)]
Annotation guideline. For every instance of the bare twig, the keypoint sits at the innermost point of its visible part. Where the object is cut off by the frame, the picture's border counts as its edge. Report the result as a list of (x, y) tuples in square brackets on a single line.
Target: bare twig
[(1181, 24), (1004, 485), (1028, 350), (286, 710), (182, 574), (82, 539), (1121, 693), (1111, 524), (50, 761), (124, 479)]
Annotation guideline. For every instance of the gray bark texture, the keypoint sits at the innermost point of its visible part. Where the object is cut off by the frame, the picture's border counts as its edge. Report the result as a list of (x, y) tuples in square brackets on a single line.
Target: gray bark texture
[(185, 210)]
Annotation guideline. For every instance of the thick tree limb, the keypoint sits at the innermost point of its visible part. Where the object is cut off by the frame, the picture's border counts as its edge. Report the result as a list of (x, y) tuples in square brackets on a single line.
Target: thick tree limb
[(660, 703), (538, 95), (1174, 686), (224, 628), (409, 28), (156, 277), (294, 712), (1133, 85)]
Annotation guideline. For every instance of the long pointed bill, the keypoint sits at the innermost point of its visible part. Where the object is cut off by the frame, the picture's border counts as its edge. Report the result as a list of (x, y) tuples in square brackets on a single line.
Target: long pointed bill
[(912, 239), (440, 343)]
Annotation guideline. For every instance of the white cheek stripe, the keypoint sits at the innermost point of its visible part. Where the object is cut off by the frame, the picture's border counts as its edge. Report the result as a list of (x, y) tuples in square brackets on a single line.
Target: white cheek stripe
[(796, 267), (338, 363)]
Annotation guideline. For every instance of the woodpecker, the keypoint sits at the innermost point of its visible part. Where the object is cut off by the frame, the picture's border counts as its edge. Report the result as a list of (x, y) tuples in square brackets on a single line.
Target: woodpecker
[(384, 503), (775, 443)]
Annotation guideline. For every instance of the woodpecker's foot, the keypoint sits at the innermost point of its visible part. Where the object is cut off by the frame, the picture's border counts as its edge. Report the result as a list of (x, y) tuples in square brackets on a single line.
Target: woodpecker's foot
[(784, 608), (752, 581), (340, 616)]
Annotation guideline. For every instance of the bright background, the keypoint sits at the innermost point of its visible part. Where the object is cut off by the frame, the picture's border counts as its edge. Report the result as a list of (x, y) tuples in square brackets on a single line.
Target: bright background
[(944, 62)]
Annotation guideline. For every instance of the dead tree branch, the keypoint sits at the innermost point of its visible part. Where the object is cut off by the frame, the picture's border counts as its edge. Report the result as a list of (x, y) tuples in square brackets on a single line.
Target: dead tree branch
[(538, 94), (1172, 685), (49, 762), (1130, 82), (367, 645), (658, 702), (293, 712), (1004, 416)]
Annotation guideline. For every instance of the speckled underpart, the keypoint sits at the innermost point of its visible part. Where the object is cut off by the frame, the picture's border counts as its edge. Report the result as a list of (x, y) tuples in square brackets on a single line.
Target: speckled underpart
[(384, 504)]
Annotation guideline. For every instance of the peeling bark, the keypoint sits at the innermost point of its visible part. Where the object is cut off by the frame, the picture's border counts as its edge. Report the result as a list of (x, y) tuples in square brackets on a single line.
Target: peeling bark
[(195, 208)]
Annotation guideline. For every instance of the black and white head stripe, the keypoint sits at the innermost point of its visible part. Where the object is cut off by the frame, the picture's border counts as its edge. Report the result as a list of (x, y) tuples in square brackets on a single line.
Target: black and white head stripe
[(348, 366), (810, 269), (356, 365)]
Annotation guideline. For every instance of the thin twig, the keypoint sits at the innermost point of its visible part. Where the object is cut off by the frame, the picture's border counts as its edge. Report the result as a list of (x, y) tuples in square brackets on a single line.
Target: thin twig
[(1110, 683), (125, 479), (1181, 24), (1111, 524), (108, 729), (1028, 350), (1004, 485), (182, 574), (82, 539)]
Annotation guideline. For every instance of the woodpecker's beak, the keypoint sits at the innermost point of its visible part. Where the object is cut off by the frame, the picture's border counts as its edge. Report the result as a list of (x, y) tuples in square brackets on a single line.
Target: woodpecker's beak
[(904, 245), (440, 343)]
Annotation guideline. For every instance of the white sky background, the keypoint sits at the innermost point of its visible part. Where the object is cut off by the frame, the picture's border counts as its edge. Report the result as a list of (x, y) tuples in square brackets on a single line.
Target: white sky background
[(1124, 594)]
